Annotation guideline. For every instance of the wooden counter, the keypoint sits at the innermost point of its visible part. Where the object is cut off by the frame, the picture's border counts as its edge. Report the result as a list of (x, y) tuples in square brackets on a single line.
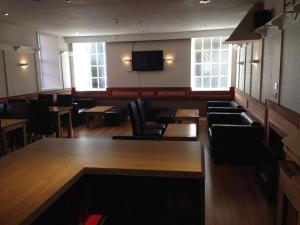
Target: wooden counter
[(32, 179)]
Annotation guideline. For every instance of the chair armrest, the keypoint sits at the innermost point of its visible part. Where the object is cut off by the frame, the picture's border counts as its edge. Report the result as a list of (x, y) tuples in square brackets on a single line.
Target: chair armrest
[(225, 109), (218, 104), (223, 118)]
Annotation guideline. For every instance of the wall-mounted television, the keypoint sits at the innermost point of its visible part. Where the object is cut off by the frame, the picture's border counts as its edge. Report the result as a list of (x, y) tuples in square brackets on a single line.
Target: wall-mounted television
[(147, 60)]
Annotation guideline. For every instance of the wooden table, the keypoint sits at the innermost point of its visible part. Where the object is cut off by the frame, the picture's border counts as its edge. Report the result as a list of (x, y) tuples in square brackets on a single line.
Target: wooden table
[(58, 112), (32, 179), (8, 125), (188, 115), (181, 132), (96, 112)]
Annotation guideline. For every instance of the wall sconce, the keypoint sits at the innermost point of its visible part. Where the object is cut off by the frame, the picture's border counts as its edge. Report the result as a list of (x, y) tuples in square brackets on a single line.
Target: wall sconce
[(255, 61), (126, 60), (24, 65), (169, 60)]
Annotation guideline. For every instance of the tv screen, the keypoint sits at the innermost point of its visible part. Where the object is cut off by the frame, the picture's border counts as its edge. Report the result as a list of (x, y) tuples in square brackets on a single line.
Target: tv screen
[(147, 60)]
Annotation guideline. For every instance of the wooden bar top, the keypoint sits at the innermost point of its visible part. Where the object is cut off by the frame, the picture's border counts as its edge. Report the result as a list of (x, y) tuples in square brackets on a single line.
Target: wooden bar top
[(37, 175)]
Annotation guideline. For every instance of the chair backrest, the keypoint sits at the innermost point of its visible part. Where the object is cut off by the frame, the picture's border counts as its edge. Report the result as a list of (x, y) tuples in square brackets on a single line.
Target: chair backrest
[(3, 110), (12, 100), (64, 100), (134, 118), (140, 107), (19, 110), (48, 97), (39, 114)]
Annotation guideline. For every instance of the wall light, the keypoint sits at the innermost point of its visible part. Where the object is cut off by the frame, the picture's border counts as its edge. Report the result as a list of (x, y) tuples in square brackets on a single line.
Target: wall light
[(24, 65), (126, 60), (255, 61), (169, 59)]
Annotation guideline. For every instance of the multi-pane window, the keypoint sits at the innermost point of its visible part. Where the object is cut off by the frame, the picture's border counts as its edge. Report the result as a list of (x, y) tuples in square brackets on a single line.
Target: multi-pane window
[(211, 63), (89, 66)]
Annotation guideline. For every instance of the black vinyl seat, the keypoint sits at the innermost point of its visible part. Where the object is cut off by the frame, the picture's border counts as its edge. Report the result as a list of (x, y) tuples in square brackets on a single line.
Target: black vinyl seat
[(3, 110), (64, 100), (143, 119), (19, 110), (48, 97), (137, 129)]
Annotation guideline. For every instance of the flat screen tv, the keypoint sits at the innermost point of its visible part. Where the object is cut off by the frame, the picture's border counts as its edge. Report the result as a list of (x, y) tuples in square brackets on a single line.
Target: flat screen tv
[(147, 60)]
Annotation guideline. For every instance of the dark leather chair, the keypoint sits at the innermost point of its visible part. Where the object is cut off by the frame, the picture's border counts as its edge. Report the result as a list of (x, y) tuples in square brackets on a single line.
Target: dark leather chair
[(234, 137), (19, 110), (137, 129), (3, 110), (79, 106), (47, 97), (40, 119), (64, 100), (143, 119), (224, 106)]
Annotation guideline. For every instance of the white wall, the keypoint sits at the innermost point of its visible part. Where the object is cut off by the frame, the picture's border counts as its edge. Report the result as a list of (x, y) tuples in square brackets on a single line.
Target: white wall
[(176, 74), (18, 44)]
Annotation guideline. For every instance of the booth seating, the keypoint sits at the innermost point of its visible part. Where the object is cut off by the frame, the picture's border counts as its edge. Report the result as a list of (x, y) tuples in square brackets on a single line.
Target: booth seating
[(115, 116), (234, 137), (81, 105), (137, 129), (224, 106)]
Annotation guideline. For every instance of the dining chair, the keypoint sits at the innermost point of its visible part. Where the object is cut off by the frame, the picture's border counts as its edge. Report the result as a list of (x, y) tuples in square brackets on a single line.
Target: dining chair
[(3, 110), (48, 97)]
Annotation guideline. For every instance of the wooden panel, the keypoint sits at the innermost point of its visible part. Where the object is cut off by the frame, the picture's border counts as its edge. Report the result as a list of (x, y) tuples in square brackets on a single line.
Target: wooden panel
[(125, 93), (172, 93), (147, 93), (258, 110), (241, 98)]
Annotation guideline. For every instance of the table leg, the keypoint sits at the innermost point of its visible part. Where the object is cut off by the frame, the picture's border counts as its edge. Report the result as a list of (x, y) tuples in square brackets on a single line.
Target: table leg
[(24, 134), (58, 128), (70, 128), (4, 141)]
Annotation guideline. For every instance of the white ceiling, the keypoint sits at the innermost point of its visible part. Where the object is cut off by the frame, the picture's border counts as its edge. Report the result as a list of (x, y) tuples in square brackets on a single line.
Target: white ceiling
[(97, 17)]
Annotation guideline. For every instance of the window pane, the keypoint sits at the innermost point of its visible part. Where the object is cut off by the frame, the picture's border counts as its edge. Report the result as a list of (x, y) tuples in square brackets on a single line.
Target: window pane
[(206, 43), (100, 59), (206, 57), (215, 70), (93, 60), (215, 43), (100, 47), (101, 71), (198, 44), (102, 83), (198, 82), (94, 71), (206, 70), (224, 56), (223, 82), (224, 46), (215, 82), (206, 82), (198, 57), (93, 48), (198, 70), (224, 70), (215, 56), (95, 82)]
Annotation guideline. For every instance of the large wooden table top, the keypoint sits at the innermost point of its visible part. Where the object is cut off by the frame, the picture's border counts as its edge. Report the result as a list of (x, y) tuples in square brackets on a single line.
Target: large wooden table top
[(178, 131), (98, 109), (187, 113), (11, 122), (32, 178)]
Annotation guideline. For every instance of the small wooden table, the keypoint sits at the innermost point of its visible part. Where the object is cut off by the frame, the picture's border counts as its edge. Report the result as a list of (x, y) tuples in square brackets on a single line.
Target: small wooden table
[(181, 132), (189, 115), (8, 125), (58, 112), (96, 112)]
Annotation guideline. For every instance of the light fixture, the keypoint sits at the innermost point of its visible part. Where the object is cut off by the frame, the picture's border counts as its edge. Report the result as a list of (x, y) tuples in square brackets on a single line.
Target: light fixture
[(205, 1), (255, 61), (24, 65), (68, 1), (169, 59), (145, 31), (126, 60), (4, 13)]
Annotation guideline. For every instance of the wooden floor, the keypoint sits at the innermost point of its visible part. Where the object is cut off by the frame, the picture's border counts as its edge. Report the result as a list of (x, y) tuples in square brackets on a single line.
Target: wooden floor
[(231, 194)]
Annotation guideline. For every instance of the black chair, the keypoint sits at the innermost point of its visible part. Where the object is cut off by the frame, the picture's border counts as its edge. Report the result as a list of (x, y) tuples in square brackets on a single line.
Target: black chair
[(19, 110), (48, 97), (224, 106), (64, 100), (137, 129), (12, 100), (143, 119), (41, 122), (3, 110)]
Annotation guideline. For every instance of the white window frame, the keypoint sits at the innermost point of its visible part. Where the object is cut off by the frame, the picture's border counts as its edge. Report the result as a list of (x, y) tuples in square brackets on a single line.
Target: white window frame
[(194, 63)]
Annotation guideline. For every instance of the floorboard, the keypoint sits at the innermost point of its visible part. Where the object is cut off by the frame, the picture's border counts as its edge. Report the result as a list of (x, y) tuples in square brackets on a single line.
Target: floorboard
[(231, 194)]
